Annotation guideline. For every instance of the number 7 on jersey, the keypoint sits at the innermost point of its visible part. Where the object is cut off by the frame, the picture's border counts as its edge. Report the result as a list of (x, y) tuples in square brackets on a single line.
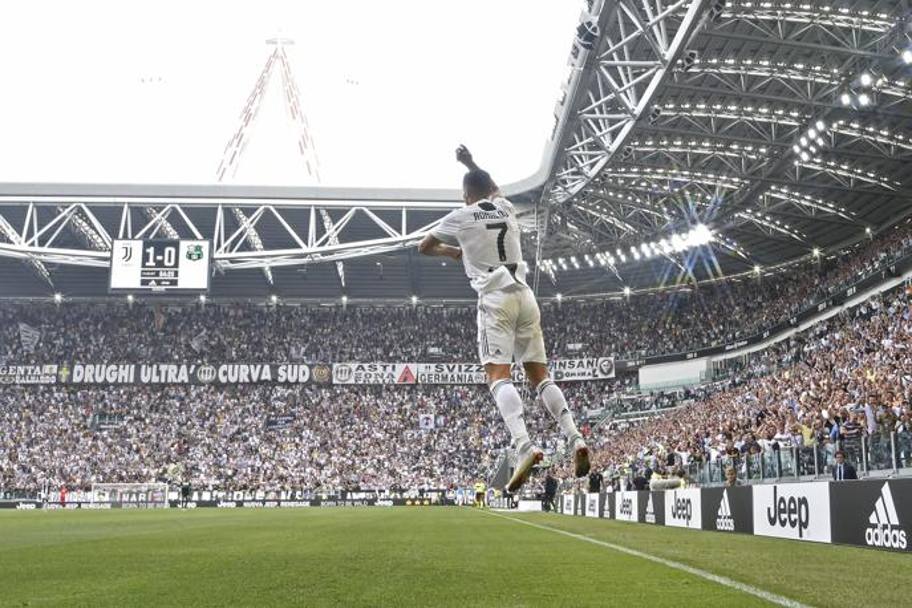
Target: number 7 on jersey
[(501, 248)]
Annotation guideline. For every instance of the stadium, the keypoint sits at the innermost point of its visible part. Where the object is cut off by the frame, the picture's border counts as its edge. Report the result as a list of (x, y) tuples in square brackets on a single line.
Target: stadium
[(265, 340)]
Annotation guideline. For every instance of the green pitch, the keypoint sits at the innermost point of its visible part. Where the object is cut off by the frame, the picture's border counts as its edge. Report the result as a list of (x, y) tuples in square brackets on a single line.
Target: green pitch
[(413, 557)]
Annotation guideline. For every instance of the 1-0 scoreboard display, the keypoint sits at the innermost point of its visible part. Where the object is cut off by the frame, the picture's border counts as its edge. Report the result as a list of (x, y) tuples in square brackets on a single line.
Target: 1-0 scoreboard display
[(160, 265)]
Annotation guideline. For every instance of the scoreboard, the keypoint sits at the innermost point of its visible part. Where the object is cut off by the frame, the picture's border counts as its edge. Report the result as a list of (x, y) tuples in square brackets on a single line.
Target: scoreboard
[(160, 265)]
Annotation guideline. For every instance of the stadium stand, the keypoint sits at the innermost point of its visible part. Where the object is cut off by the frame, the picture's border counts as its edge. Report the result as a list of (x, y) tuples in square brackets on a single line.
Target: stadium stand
[(845, 383), (844, 380)]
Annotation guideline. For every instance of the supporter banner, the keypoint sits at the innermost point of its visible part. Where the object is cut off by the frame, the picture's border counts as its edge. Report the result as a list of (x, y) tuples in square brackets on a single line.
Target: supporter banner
[(279, 421), (28, 374), (873, 513), (450, 373), (29, 337), (183, 373), (164, 373), (562, 370), (597, 368), (28, 505), (374, 373)]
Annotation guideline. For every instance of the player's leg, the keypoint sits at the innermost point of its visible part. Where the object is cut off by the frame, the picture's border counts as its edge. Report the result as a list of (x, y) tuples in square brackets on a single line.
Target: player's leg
[(511, 409), (496, 329), (530, 349)]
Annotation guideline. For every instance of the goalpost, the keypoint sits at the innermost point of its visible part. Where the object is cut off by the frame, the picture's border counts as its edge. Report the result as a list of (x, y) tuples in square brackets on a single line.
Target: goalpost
[(131, 495)]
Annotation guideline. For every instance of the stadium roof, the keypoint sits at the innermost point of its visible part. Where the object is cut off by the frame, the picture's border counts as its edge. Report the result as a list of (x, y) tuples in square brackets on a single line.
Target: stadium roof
[(693, 139)]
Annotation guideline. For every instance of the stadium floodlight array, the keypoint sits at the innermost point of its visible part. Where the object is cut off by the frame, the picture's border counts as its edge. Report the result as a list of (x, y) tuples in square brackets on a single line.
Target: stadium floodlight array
[(804, 12), (811, 142), (705, 146), (844, 169), (888, 77), (771, 224), (697, 236), (879, 135)]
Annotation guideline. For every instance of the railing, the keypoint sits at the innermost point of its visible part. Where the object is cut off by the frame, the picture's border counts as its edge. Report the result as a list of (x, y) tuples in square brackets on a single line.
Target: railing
[(877, 455)]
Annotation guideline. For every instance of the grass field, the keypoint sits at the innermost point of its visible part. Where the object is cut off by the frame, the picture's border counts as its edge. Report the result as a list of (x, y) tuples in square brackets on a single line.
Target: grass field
[(415, 557)]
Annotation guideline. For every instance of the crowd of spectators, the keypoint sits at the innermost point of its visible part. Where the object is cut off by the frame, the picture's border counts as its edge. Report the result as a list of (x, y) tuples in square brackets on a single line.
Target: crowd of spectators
[(845, 380), (260, 437)]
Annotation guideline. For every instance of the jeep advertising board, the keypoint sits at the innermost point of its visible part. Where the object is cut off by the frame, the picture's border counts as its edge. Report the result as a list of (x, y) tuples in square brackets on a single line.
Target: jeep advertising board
[(800, 511)]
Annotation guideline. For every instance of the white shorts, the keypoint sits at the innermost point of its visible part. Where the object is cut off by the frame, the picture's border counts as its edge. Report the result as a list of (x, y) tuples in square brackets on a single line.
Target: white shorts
[(509, 327)]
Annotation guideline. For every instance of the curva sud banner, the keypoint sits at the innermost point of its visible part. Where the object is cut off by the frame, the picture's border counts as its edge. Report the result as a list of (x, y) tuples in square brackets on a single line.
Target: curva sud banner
[(188, 373), (563, 370), (875, 513)]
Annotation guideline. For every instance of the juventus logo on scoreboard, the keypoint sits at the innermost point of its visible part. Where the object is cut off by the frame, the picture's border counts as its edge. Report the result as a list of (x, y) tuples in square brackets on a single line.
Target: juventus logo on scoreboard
[(160, 265)]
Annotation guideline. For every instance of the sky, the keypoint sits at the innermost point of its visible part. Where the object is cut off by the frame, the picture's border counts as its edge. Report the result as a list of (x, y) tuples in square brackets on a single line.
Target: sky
[(151, 91)]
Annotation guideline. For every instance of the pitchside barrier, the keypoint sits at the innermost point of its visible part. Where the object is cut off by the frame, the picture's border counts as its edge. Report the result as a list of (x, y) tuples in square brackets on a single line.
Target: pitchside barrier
[(867, 513), (28, 504)]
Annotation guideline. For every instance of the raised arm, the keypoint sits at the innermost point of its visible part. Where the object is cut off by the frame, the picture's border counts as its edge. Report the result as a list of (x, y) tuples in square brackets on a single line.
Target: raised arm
[(465, 157)]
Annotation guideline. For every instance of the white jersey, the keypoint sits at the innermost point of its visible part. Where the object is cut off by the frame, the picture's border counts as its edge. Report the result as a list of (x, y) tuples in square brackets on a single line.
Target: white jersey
[(509, 322), (488, 234)]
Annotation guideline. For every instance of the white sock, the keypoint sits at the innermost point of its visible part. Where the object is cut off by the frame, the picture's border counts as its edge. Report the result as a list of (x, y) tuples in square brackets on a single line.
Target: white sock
[(511, 409), (553, 398)]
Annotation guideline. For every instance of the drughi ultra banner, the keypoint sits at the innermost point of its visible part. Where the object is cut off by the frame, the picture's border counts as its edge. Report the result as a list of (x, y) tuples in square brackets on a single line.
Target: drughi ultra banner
[(165, 373)]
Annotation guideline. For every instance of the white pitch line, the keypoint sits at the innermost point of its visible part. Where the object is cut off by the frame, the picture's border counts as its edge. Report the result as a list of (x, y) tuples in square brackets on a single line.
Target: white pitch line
[(773, 598)]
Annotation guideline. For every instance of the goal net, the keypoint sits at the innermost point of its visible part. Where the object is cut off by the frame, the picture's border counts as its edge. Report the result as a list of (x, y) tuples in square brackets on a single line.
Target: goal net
[(131, 495)]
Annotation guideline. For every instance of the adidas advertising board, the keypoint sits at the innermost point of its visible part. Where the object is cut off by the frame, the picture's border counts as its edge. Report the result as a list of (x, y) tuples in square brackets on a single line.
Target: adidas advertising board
[(682, 508), (627, 506), (567, 504), (609, 509), (799, 511), (727, 509), (654, 511), (872, 513), (725, 522), (592, 505)]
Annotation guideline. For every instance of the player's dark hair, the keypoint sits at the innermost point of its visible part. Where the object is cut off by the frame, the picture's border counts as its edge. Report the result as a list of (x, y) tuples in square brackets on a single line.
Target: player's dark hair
[(478, 184)]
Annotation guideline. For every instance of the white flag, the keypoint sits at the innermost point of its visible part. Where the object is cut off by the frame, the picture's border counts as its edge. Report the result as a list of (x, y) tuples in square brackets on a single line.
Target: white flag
[(198, 342), (29, 337), (426, 421)]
